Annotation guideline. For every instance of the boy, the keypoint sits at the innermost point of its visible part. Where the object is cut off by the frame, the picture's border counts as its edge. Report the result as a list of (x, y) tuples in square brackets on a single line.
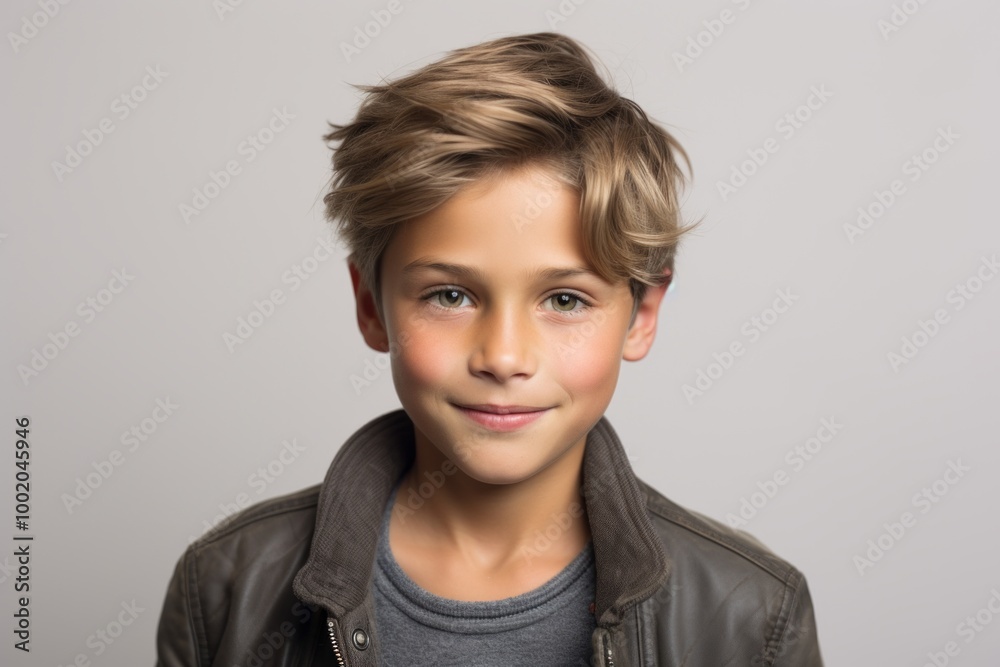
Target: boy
[(512, 224)]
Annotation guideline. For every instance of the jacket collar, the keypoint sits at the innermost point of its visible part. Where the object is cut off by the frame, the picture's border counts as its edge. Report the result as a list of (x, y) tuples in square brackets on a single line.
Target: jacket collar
[(631, 562)]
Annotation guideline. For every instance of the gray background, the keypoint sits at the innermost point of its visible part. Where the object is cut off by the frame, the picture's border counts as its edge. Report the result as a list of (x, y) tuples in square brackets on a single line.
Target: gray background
[(162, 336)]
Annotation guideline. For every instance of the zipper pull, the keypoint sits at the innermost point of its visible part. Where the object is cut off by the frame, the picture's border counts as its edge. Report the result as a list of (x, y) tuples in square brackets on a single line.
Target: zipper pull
[(334, 644)]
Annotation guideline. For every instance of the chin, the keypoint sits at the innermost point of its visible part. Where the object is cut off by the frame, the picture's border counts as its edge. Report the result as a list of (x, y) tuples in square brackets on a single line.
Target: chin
[(499, 476), (501, 462)]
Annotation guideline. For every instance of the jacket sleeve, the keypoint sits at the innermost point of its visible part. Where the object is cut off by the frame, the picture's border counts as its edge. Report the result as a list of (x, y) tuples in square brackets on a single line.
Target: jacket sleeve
[(176, 643), (798, 641)]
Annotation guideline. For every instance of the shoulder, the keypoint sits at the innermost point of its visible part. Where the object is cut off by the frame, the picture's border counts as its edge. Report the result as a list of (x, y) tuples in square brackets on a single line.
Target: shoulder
[(734, 574), (251, 555), (276, 528), (684, 531), (724, 582)]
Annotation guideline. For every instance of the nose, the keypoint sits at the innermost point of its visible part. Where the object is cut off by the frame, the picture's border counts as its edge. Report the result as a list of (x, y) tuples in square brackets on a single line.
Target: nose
[(504, 344)]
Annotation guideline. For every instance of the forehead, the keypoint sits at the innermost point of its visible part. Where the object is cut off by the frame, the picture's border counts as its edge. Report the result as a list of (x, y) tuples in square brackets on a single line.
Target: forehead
[(522, 218)]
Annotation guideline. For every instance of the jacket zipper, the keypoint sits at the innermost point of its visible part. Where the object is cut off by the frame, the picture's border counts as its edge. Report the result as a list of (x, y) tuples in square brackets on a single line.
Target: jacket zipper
[(608, 659), (333, 642)]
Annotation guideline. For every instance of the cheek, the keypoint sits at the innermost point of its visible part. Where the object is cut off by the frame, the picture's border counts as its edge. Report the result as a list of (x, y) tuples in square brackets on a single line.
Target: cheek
[(587, 359), (426, 358), (589, 377)]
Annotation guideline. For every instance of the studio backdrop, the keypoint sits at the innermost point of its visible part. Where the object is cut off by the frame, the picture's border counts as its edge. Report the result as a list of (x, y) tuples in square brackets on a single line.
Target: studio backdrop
[(179, 335)]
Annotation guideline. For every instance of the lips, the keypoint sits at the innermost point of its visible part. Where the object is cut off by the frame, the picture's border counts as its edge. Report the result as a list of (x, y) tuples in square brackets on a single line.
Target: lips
[(501, 409), (502, 417)]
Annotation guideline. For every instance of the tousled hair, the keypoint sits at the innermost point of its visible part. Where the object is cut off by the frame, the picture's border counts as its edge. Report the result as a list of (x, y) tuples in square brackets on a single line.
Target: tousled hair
[(483, 110)]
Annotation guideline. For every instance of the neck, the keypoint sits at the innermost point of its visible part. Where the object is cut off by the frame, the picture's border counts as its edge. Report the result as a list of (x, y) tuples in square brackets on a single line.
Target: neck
[(543, 517)]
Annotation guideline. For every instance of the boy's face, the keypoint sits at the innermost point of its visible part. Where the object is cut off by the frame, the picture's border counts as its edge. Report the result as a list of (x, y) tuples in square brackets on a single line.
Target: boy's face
[(500, 332)]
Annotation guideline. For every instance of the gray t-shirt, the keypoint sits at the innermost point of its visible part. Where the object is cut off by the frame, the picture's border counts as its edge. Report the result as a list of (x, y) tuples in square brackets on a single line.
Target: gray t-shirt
[(550, 625)]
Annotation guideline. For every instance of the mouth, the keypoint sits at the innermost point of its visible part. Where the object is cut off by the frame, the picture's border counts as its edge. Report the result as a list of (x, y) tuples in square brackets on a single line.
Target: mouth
[(500, 409), (502, 417)]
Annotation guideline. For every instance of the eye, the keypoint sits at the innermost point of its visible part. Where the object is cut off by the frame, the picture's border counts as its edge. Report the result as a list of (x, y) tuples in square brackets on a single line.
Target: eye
[(564, 302), (450, 298), (450, 295)]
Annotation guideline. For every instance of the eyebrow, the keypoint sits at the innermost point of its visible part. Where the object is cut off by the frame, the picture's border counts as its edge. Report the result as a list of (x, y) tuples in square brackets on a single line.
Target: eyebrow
[(474, 273)]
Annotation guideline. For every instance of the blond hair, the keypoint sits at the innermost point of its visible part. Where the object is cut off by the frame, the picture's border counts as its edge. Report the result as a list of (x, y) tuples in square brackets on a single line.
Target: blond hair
[(485, 109)]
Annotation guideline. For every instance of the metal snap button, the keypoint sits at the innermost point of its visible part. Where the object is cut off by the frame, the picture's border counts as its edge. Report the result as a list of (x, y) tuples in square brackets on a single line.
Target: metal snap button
[(360, 639)]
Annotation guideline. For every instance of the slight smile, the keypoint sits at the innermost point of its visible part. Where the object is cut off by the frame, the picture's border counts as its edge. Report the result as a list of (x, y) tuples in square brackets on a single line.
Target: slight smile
[(502, 417)]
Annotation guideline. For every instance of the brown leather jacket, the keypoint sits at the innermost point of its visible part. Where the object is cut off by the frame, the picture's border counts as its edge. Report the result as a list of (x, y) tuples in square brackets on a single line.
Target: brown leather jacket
[(286, 581)]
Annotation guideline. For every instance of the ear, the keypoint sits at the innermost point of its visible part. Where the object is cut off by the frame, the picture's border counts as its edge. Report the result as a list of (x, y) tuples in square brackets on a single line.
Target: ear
[(643, 329), (369, 322)]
